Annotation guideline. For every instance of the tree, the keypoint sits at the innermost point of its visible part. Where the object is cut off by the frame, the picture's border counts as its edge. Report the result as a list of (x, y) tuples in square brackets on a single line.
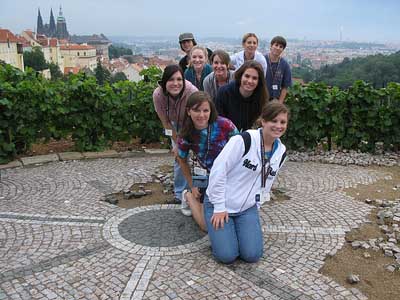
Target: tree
[(55, 71), (102, 74), (378, 70), (35, 59), (115, 52), (119, 76)]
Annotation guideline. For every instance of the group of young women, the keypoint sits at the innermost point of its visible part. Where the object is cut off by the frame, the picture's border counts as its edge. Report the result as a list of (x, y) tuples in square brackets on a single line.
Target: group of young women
[(234, 166)]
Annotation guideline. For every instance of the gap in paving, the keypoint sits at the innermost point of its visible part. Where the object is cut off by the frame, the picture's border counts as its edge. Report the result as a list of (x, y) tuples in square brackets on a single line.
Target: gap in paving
[(155, 194)]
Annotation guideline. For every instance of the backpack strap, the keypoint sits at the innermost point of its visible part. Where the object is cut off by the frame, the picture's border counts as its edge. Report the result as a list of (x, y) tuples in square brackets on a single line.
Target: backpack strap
[(247, 141), (282, 159)]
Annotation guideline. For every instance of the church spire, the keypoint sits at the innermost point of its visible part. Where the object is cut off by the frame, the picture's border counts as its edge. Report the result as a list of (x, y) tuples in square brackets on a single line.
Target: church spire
[(39, 24), (52, 25)]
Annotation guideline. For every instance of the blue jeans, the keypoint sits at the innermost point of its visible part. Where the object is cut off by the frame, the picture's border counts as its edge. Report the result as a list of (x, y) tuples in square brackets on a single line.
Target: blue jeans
[(180, 182), (241, 236)]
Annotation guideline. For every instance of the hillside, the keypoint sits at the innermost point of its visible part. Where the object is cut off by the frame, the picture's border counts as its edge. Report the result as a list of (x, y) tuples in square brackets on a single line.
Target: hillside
[(378, 70)]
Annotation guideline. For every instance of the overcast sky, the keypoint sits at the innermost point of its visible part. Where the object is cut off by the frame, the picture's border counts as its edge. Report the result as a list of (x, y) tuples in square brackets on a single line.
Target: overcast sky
[(360, 20)]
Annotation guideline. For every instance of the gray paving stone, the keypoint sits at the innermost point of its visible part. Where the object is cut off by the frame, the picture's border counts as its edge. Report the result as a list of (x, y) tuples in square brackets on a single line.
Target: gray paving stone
[(156, 151), (65, 156), (104, 154), (39, 159), (58, 238), (11, 164)]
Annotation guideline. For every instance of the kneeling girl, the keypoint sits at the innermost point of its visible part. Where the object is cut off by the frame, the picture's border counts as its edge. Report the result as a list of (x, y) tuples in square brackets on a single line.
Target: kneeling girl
[(240, 181), (205, 133)]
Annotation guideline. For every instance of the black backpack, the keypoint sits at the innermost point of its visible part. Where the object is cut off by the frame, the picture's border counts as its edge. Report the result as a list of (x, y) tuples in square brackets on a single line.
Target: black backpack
[(247, 143)]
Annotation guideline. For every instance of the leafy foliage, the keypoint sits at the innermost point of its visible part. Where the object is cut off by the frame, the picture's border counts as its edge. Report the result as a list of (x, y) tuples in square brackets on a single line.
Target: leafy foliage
[(55, 71), (377, 70), (115, 51), (35, 59), (94, 115), (119, 76), (355, 118), (102, 74)]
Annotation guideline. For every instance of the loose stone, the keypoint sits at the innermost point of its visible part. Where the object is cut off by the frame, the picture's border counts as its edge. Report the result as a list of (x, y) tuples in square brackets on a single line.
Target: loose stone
[(353, 279)]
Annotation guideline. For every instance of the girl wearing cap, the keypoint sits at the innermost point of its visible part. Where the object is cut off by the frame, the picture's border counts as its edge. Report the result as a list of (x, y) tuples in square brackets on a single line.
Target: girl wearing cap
[(205, 133), (170, 100), (198, 67), (249, 52), (242, 100), (221, 74), (240, 183), (187, 42)]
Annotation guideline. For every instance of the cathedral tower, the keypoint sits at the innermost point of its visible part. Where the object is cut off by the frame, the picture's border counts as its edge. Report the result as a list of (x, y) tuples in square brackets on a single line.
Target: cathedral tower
[(62, 32)]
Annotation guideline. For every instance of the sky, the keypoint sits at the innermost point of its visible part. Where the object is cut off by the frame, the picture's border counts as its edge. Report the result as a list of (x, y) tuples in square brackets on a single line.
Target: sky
[(358, 20)]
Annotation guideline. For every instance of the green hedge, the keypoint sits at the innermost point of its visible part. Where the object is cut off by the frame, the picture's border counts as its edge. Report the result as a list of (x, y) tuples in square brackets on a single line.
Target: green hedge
[(33, 108), (355, 118)]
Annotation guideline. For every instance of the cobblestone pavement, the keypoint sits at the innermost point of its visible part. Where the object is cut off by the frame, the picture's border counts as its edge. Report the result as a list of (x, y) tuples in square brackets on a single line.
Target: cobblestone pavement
[(59, 241)]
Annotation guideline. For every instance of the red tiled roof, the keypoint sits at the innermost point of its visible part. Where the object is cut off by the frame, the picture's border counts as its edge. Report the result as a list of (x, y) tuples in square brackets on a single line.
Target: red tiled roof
[(63, 41), (68, 70), (30, 33), (6, 35), (77, 47)]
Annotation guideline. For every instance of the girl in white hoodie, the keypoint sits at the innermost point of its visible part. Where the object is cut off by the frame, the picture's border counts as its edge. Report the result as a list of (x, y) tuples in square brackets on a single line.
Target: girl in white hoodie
[(240, 181)]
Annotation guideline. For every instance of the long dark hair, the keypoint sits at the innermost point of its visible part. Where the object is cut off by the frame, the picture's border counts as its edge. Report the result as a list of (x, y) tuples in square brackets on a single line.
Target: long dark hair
[(169, 71), (194, 101), (260, 91)]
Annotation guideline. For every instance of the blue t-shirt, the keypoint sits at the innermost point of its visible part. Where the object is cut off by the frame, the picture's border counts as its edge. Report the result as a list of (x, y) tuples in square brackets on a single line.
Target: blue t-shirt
[(279, 74), (190, 75), (220, 132)]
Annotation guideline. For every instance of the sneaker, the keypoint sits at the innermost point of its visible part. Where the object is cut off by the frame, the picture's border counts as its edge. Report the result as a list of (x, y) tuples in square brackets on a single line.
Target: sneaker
[(185, 209), (173, 201)]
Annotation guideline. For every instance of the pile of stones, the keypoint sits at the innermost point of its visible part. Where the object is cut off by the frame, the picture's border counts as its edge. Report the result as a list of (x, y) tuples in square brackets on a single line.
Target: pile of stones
[(388, 219), (345, 157), (137, 193), (166, 179)]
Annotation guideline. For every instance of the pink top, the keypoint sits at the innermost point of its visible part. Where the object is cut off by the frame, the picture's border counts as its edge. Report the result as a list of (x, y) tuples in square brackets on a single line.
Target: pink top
[(175, 107)]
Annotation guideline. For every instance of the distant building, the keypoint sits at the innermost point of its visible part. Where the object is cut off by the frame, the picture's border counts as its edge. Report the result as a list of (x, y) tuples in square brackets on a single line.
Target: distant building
[(49, 46), (11, 49), (122, 65), (52, 29), (30, 38), (100, 42), (80, 56)]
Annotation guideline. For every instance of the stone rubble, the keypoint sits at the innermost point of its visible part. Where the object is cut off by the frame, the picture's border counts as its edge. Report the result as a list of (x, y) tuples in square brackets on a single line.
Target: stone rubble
[(346, 157), (389, 222)]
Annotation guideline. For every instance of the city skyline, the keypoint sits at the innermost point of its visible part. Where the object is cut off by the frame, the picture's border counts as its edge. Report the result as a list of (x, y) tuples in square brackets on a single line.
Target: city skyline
[(351, 20)]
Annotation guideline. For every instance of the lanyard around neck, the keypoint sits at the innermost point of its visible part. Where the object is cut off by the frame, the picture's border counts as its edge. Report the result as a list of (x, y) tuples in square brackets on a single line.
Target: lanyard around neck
[(178, 112), (270, 67), (208, 139), (264, 161)]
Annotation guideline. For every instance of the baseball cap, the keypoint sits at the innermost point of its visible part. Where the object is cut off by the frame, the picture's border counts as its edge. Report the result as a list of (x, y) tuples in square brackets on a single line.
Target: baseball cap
[(185, 37)]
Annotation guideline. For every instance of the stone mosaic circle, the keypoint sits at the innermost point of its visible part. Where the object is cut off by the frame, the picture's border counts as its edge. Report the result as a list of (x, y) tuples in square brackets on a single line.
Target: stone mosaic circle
[(168, 228)]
